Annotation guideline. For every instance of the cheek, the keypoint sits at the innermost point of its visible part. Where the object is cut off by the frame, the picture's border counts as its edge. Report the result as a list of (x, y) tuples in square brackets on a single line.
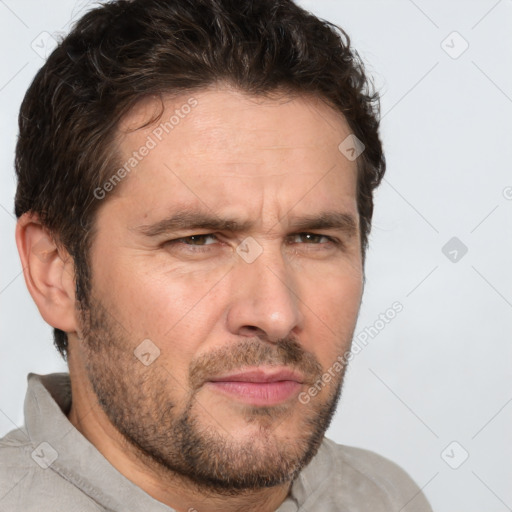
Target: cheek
[(151, 300), (332, 308)]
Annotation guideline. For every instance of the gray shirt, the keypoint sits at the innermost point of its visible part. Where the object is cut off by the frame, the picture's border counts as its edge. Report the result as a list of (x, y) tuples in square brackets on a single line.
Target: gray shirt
[(49, 465)]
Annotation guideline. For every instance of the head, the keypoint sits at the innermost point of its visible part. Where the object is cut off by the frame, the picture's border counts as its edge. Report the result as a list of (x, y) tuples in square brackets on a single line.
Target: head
[(187, 160)]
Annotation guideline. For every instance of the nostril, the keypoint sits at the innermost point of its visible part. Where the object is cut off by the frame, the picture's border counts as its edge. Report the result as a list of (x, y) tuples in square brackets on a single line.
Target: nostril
[(251, 330)]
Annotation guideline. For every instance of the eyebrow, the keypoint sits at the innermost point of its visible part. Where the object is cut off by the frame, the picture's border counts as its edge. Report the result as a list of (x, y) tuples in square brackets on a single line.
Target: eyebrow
[(199, 220)]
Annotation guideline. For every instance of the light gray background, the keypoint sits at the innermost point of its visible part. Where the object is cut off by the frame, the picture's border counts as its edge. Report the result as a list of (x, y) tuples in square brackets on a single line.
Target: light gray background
[(440, 371)]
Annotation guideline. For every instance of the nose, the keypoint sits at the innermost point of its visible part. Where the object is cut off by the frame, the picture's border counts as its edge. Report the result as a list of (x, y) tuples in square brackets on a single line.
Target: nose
[(265, 299)]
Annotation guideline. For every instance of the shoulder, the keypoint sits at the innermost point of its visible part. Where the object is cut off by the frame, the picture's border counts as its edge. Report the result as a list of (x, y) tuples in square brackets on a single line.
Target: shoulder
[(371, 479), (370, 465), (15, 450), (29, 484)]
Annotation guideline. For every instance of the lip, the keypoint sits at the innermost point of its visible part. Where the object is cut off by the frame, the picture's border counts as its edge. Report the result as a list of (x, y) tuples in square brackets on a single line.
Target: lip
[(260, 386), (262, 375)]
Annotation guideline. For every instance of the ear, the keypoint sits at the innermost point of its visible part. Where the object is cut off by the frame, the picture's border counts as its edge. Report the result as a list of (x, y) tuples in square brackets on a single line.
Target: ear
[(49, 273)]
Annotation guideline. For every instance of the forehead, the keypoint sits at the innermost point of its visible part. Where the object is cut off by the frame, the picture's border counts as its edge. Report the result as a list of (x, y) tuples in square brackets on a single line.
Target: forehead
[(274, 113), (223, 149)]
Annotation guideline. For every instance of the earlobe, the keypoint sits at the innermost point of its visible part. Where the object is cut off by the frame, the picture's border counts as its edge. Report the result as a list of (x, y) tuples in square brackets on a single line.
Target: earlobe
[(48, 272)]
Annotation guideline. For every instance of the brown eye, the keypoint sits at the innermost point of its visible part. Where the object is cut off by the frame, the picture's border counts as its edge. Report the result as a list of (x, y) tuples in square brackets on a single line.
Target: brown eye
[(311, 238), (193, 243), (196, 239)]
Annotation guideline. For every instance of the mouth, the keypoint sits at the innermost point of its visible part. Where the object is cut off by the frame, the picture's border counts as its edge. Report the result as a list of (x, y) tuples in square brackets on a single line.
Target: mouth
[(259, 386)]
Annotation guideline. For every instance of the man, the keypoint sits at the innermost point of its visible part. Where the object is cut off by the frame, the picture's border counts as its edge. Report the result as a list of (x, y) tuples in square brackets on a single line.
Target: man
[(194, 198)]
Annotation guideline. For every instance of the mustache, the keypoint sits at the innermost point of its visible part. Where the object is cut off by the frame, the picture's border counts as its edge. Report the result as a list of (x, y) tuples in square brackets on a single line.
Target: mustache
[(254, 352)]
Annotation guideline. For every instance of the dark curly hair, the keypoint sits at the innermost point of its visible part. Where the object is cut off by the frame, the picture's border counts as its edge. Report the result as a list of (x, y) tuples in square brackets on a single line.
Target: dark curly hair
[(126, 50)]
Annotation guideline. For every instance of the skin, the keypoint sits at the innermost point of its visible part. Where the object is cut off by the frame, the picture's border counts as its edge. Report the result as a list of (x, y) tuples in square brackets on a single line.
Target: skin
[(265, 163)]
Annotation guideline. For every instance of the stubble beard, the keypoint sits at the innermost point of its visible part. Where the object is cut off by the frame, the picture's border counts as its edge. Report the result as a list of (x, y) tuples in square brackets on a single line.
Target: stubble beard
[(168, 433)]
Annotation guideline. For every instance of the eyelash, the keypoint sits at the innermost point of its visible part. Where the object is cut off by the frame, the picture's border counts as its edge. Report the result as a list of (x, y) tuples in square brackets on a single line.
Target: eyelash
[(204, 248)]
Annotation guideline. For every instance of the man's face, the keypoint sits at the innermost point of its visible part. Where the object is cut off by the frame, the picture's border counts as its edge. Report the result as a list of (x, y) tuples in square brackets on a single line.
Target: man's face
[(244, 299)]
